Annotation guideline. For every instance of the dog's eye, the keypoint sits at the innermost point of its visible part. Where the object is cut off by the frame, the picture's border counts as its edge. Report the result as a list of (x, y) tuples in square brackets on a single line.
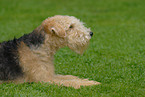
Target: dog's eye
[(71, 26)]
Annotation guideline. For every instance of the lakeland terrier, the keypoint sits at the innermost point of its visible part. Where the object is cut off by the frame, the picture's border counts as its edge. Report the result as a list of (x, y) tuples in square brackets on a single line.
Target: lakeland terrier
[(30, 57)]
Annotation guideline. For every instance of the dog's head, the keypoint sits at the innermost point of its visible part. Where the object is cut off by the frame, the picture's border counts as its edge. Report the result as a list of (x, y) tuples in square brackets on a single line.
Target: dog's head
[(69, 31)]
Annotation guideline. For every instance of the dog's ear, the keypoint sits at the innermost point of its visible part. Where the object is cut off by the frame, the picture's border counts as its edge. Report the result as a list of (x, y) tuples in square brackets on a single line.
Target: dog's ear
[(52, 27), (58, 30)]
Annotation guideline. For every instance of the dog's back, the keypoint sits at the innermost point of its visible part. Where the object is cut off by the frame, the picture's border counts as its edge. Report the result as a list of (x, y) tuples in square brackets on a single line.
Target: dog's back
[(9, 57), (9, 64)]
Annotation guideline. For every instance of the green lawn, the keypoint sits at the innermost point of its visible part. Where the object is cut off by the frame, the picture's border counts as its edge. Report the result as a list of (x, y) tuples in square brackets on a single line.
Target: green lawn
[(115, 56)]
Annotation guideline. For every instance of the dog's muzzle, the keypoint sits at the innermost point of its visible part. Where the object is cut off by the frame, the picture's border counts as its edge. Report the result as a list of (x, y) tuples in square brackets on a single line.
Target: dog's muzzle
[(91, 34)]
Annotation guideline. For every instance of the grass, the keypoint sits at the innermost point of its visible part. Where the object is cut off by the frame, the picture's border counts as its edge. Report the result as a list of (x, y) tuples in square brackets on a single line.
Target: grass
[(115, 57)]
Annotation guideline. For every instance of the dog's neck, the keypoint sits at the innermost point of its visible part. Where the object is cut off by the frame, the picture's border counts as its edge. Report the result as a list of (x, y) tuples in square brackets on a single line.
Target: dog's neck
[(48, 48)]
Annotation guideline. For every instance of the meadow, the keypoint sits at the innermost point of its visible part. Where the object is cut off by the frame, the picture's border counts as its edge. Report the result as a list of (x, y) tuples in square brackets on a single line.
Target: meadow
[(115, 56)]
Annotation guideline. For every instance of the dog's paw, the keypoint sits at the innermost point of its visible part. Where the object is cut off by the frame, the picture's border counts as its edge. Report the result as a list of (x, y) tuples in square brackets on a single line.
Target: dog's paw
[(84, 82)]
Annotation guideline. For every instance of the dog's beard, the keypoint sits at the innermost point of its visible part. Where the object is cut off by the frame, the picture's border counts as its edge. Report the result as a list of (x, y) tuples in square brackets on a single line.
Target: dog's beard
[(80, 49), (79, 45)]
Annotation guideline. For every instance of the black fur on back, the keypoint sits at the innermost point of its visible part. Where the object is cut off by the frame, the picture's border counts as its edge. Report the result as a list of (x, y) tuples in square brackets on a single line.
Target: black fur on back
[(32, 39), (9, 57)]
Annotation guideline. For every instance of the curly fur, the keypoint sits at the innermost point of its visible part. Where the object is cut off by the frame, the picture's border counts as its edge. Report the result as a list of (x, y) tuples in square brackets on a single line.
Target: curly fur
[(30, 57)]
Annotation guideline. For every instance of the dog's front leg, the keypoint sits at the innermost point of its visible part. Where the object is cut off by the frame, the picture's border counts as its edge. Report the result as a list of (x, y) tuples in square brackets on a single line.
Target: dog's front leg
[(72, 81)]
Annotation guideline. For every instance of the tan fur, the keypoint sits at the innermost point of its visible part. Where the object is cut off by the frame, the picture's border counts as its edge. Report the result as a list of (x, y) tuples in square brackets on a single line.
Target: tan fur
[(37, 64)]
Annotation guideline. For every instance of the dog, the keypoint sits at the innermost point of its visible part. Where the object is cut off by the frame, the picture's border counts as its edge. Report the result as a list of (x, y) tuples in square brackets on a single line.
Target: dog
[(30, 57)]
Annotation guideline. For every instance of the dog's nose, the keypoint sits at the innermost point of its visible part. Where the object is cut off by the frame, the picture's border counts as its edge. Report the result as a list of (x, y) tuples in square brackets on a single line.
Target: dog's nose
[(91, 34)]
